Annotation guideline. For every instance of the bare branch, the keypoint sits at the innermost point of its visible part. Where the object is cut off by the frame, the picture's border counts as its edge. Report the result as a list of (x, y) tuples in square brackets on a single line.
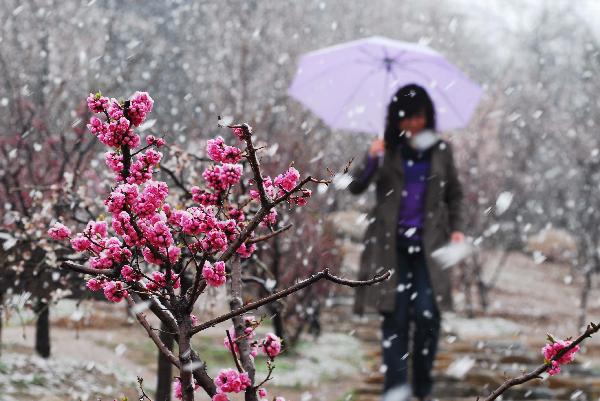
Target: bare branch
[(324, 274), (270, 235), (153, 335)]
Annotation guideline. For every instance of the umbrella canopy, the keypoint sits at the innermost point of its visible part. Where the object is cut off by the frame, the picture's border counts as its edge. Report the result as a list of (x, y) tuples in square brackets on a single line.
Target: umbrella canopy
[(350, 85)]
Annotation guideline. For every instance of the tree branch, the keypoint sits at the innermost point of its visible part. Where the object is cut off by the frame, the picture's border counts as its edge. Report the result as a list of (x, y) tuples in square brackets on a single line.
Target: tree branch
[(324, 274), (153, 335), (535, 374)]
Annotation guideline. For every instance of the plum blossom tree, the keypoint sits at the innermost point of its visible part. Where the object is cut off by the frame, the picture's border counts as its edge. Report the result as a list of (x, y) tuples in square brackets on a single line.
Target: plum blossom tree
[(149, 246)]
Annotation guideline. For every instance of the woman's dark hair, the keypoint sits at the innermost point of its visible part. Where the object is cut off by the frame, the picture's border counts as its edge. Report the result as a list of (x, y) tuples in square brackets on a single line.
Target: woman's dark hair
[(408, 101)]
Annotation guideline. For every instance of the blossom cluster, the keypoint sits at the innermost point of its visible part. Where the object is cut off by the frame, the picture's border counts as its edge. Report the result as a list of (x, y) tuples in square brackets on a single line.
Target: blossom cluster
[(231, 381), (282, 185), (270, 345), (214, 274), (551, 350)]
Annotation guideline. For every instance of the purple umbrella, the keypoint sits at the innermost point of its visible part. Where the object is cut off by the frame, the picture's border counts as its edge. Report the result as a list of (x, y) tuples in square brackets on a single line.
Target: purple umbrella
[(350, 85)]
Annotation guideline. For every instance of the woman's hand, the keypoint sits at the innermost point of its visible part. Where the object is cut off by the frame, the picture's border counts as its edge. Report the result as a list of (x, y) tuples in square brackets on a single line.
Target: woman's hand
[(377, 148), (457, 237)]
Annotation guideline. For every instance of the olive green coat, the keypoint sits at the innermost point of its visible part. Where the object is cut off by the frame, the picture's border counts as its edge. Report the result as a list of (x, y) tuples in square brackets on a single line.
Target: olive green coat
[(443, 215)]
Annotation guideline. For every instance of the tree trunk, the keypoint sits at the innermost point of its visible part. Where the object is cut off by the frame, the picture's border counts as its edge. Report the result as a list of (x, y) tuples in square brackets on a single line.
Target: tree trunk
[(42, 329), (276, 308), (164, 372)]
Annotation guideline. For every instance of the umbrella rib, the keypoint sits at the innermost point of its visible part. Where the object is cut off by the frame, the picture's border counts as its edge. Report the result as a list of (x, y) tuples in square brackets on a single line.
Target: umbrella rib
[(351, 96), (440, 92)]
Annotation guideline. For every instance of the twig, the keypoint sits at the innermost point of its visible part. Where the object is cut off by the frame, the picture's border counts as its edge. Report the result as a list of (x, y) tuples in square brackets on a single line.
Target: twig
[(235, 358), (271, 368), (152, 334), (535, 374), (177, 182), (270, 235), (143, 396), (324, 274)]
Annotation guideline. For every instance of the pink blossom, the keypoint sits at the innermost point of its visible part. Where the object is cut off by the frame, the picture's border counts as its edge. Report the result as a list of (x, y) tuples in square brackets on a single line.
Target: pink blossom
[(250, 323), (245, 251), (81, 243), (172, 253), (195, 220), (268, 186), (220, 178), (141, 170), (152, 140), (270, 219), (122, 225), (115, 251), (271, 345), (214, 241), (214, 275), (302, 199), (550, 350), (140, 105), (114, 161), (59, 231), (195, 320), (178, 390), (287, 180), (124, 194), (129, 274), (219, 152), (114, 291), (239, 132), (151, 198), (231, 381), (115, 133), (97, 103), (97, 127), (262, 392), (203, 197), (158, 234), (95, 229), (115, 111), (236, 214), (160, 281), (220, 397), (229, 228), (94, 284)]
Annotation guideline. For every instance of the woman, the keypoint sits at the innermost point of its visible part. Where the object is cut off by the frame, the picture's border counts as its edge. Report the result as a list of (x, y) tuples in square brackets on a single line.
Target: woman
[(418, 209)]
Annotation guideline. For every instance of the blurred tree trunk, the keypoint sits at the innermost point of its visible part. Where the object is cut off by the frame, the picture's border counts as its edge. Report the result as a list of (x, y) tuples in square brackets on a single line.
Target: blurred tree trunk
[(42, 328), (276, 308)]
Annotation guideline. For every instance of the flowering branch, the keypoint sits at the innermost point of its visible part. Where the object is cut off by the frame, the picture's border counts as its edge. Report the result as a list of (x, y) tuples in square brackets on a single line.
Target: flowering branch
[(213, 231), (535, 374)]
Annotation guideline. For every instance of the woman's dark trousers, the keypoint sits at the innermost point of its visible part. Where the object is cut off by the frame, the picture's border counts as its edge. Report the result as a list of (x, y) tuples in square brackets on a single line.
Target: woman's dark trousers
[(414, 302)]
